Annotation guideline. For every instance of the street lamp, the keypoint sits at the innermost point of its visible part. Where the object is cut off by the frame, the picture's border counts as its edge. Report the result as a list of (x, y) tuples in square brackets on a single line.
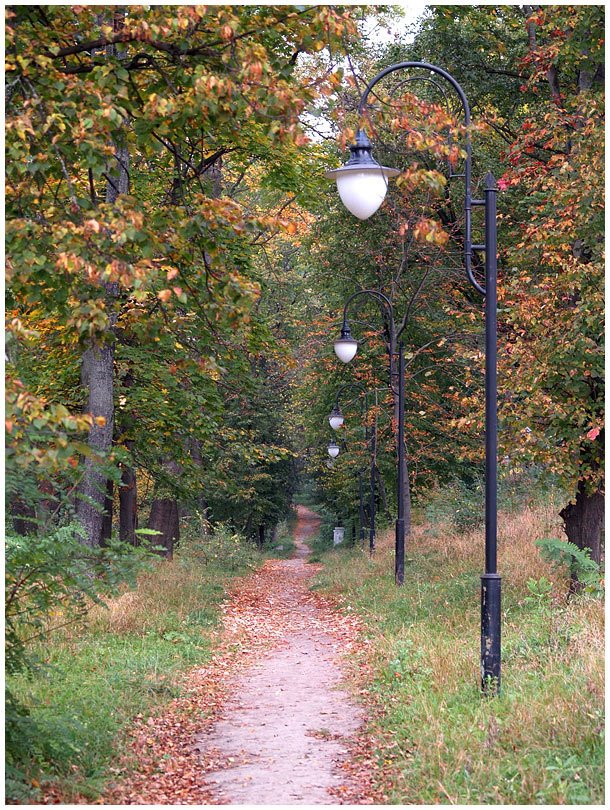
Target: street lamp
[(333, 449), (346, 357), (356, 186), (336, 421), (336, 418)]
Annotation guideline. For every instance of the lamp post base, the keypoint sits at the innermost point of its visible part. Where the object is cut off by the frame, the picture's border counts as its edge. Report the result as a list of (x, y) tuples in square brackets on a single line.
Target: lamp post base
[(490, 633), (400, 552)]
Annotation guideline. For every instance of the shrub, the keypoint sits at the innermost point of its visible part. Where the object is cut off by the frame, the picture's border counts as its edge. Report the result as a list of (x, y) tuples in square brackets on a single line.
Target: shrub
[(52, 581), (459, 504)]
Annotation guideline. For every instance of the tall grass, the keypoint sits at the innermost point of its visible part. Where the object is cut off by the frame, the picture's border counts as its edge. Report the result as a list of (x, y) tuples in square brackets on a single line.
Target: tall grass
[(540, 742)]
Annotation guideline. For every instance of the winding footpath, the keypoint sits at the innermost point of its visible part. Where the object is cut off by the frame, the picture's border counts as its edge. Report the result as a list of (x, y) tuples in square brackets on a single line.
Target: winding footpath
[(286, 719), (268, 720)]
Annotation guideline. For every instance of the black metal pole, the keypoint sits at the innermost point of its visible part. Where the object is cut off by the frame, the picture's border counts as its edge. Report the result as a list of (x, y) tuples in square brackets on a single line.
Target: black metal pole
[(372, 493), (400, 520), (490, 581), (361, 492)]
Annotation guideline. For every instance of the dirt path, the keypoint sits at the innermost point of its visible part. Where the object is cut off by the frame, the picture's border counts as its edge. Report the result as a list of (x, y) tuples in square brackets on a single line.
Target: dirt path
[(286, 719), (266, 720)]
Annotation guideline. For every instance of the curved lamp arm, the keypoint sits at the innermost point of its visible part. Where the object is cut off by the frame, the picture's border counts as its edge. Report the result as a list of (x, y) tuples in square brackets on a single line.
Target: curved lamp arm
[(381, 299), (468, 202), (353, 385), (386, 306)]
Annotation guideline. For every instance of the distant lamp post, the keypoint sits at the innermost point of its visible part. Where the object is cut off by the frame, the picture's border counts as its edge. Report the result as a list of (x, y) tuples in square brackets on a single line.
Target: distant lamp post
[(336, 420), (333, 449), (346, 348), (360, 184)]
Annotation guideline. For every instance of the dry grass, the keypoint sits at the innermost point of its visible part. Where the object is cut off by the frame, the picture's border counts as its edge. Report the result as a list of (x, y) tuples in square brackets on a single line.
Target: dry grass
[(171, 588), (540, 742)]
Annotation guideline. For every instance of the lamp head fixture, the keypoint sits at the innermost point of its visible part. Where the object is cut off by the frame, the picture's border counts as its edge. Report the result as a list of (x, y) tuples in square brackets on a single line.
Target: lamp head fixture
[(333, 449), (336, 418), (346, 346), (362, 182)]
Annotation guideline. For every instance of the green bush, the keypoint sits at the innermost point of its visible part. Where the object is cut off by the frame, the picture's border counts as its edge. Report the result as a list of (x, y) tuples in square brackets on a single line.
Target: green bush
[(460, 504), (52, 580), (282, 543), (202, 543)]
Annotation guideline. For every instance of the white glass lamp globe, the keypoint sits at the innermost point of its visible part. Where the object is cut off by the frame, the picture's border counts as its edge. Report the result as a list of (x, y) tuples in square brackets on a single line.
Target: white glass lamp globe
[(336, 418), (346, 348), (333, 449), (362, 183), (362, 192)]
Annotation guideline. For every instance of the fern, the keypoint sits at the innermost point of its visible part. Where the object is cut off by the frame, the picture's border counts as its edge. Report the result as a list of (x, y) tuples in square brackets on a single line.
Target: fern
[(563, 553)]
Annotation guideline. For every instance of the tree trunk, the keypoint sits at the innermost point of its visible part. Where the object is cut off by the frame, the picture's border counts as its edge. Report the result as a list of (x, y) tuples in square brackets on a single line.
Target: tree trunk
[(583, 522), (98, 375), (164, 518), (261, 536), (195, 450), (128, 503), (24, 517), (108, 512), (383, 498), (98, 369)]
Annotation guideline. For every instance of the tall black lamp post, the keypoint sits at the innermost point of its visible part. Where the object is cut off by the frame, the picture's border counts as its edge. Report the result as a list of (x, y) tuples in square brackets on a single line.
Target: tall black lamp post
[(345, 348), (336, 421), (362, 185)]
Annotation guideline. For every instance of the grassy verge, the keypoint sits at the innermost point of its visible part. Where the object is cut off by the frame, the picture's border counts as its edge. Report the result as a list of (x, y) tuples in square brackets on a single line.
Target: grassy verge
[(128, 660), (439, 741), (282, 544)]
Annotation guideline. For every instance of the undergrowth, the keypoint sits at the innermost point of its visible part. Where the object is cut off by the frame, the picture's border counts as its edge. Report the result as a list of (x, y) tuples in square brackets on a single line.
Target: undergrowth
[(129, 659), (322, 541), (282, 545), (439, 741)]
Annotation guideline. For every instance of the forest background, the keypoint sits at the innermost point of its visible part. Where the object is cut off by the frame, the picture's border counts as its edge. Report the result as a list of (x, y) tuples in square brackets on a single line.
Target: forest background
[(177, 267)]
